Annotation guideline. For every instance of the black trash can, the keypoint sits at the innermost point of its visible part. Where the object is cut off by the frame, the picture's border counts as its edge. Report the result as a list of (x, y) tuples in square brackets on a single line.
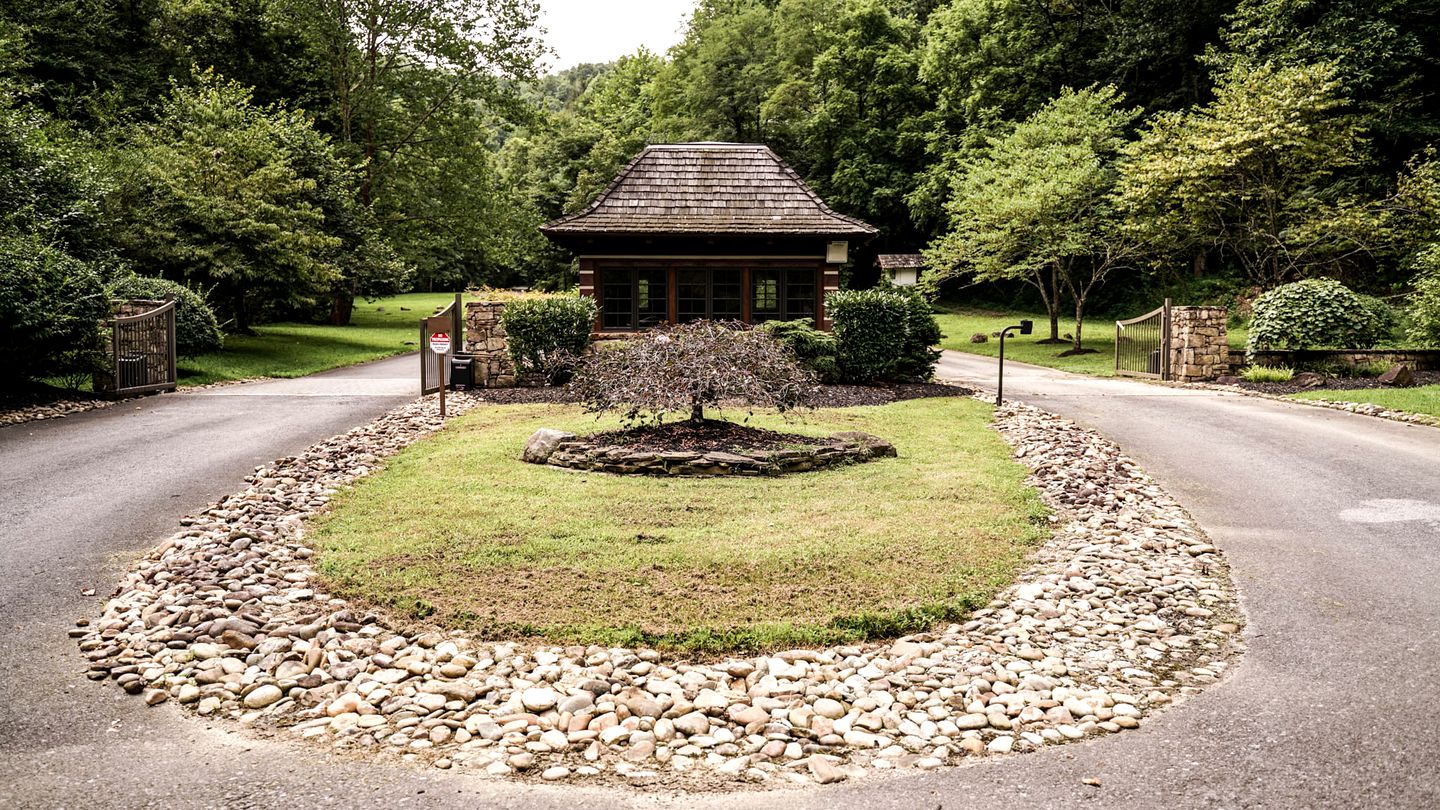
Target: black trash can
[(462, 373), (1153, 366), (133, 370)]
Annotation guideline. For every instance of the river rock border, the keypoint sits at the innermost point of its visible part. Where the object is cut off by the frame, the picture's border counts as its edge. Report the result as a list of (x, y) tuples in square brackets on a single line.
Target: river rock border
[(55, 409), (567, 450), (1124, 610)]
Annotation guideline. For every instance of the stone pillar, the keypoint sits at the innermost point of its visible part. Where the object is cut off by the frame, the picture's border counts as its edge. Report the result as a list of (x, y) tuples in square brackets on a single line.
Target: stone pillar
[(485, 341), (1199, 347)]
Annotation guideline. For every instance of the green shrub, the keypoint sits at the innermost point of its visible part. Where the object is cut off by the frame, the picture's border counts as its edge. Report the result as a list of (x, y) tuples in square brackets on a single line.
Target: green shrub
[(51, 307), (196, 329), (548, 333), (1425, 301), (1268, 374), (816, 350), (922, 332), (883, 334), (1318, 314)]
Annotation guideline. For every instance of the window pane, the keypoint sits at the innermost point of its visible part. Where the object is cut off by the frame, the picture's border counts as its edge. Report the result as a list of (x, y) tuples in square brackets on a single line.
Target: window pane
[(725, 295), (764, 295), (653, 303), (690, 294), (799, 294), (617, 309)]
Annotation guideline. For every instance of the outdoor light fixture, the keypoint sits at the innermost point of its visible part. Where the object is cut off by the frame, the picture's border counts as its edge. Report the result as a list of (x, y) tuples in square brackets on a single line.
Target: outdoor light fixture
[(1025, 327)]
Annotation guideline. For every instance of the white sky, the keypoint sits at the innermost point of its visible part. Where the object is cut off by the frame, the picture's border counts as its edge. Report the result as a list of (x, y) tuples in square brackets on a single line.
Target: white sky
[(601, 30)]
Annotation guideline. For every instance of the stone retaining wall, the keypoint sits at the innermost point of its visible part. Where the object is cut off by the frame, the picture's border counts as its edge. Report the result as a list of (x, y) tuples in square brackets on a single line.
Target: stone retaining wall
[(579, 453), (1416, 359), (1199, 346)]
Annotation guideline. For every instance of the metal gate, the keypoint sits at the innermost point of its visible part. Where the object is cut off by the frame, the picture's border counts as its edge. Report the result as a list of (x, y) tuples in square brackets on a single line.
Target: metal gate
[(1142, 345), (142, 349), (451, 319)]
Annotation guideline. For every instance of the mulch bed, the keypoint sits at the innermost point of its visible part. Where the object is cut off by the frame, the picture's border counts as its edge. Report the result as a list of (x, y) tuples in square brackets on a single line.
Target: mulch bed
[(712, 435), (1335, 384), (826, 396)]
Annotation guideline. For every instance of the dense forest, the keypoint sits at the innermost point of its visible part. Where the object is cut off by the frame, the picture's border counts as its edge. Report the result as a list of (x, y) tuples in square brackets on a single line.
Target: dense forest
[(284, 157)]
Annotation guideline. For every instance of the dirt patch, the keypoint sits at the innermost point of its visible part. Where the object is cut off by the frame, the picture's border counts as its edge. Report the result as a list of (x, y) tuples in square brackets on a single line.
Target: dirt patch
[(1335, 384), (707, 436)]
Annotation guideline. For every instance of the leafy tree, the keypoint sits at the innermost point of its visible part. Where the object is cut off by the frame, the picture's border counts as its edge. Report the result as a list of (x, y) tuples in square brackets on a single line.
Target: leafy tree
[(1383, 52), (1259, 175), (231, 196), (1037, 206), (51, 306), (720, 74), (414, 83), (854, 120), (691, 367)]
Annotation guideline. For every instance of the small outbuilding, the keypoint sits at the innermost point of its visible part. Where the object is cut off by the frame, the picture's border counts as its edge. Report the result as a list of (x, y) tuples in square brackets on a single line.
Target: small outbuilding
[(720, 231), (902, 269)]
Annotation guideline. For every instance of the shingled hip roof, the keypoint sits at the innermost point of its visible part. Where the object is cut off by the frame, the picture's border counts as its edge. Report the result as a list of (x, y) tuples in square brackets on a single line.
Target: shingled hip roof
[(709, 188)]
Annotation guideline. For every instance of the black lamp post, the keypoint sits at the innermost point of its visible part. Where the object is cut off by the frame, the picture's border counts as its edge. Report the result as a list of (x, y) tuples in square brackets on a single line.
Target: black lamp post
[(1025, 327)]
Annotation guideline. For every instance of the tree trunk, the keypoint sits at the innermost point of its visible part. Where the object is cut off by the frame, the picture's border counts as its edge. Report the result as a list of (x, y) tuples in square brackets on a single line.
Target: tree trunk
[(1052, 305), (1079, 319), (342, 306), (697, 412)]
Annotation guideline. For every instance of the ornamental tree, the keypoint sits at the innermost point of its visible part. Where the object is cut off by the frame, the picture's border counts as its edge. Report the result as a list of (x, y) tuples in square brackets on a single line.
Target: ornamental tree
[(688, 368)]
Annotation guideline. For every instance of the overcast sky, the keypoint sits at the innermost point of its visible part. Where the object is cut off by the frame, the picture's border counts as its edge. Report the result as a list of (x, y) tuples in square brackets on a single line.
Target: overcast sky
[(601, 30)]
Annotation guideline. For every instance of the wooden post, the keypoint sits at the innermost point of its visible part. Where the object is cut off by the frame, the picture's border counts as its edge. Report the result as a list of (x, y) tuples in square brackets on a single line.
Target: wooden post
[(440, 370)]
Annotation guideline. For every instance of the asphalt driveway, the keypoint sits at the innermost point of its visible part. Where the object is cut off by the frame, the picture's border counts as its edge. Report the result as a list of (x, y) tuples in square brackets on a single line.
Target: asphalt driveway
[(1331, 522)]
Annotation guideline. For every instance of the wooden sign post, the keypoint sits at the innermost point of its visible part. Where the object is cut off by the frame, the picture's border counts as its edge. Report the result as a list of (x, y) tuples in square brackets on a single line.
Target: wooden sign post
[(440, 345)]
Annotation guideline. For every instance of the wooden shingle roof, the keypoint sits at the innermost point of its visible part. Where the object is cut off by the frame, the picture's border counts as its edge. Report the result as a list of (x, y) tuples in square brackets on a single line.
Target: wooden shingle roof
[(900, 261), (709, 188)]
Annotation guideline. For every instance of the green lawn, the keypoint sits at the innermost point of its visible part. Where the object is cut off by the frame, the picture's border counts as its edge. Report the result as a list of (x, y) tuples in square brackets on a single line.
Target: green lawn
[(959, 323), (378, 329), (458, 531), (1424, 399)]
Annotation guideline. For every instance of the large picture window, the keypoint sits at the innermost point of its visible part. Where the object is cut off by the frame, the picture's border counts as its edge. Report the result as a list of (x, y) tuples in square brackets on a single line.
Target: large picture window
[(640, 297), (782, 294)]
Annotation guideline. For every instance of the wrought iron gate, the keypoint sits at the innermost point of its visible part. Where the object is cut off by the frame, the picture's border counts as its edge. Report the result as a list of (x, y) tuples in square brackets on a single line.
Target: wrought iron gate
[(142, 349), (1142, 345), (451, 320)]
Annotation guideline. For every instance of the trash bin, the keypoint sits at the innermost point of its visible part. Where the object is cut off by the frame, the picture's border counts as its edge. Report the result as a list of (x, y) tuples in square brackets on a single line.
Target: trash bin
[(462, 373), (132, 369)]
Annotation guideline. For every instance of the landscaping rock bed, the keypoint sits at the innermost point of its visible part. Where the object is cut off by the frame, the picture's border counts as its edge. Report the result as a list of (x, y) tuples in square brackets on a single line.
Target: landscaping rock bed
[(713, 448), (12, 414), (1126, 609)]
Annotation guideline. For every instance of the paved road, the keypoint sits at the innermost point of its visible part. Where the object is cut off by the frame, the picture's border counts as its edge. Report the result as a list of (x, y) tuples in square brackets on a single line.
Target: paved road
[(1331, 522)]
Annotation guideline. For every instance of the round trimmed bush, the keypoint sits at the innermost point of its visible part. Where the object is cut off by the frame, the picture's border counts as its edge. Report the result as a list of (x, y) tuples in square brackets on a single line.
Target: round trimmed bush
[(548, 333), (883, 334), (1319, 313), (197, 331)]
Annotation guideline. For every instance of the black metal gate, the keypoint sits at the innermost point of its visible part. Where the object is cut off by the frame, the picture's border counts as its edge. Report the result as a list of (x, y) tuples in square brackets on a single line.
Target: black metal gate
[(451, 320), (1142, 345), (142, 349)]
